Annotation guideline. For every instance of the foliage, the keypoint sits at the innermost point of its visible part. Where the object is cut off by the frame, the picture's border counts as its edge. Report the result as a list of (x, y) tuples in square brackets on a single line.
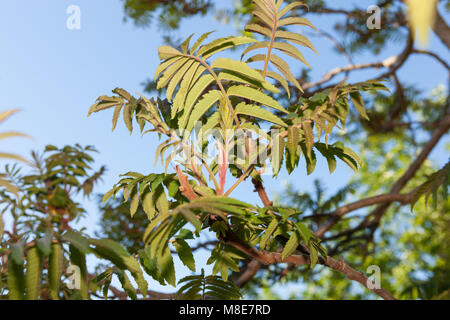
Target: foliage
[(225, 122), (438, 180), (43, 244), (205, 93), (210, 287), (171, 12), (6, 135)]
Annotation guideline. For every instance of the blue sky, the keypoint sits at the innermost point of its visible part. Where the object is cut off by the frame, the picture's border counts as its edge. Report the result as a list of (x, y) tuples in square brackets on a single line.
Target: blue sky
[(54, 74)]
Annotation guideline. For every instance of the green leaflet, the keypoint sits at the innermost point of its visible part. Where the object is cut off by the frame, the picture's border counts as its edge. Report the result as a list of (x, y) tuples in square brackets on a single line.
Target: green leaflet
[(210, 287), (77, 240), (150, 265), (281, 65), (359, 104), (259, 29), (55, 270), (78, 259), (16, 280), (190, 78), (185, 253), (107, 277), (268, 233), (222, 264), (328, 154), (105, 102), (126, 284), (221, 44), (44, 244), (255, 95), (195, 92), (207, 201), (116, 115), (258, 112), (127, 117), (123, 93), (263, 17), (255, 46), (291, 245), (290, 7), (284, 68), (167, 267), (304, 231), (108, 195), (134, 204), (162, 204), (339, 150), (313, 255), (438, 180), (199, 42), (277, 152), (170, 72), (17, 253), (166, 52), (185, 44), (351, 160), (295, 21), (311, 159), (263, 6), (148, 205), (114, 252), (281, 80), (293, 141), (162, 147), (211, 123), (242, 78), (33, 274), (309, 137), (159, 238), (295, 38), (238, 67), (178, 77), (207, 101), (291, 51)]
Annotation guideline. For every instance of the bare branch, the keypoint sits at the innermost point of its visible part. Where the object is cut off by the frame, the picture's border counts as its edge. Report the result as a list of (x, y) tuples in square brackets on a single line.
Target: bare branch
[(340, 212)]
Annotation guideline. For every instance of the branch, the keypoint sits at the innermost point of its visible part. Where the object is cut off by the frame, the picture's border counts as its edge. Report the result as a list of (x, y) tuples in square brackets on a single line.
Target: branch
[(392, 63), (434, 55), (334, 72), (441, 29), (254, 265), (259, 188), (153, 295), (442, 127), (252, 268), (275, 258), (185, 188), (340, 212)]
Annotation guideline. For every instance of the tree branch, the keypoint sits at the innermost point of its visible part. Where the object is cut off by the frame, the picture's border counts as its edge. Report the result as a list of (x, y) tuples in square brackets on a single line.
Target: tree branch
[(275, 258), (441, 29), (441, 128), (340, 212), (185, 188), (259, 188), (392, 63)]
